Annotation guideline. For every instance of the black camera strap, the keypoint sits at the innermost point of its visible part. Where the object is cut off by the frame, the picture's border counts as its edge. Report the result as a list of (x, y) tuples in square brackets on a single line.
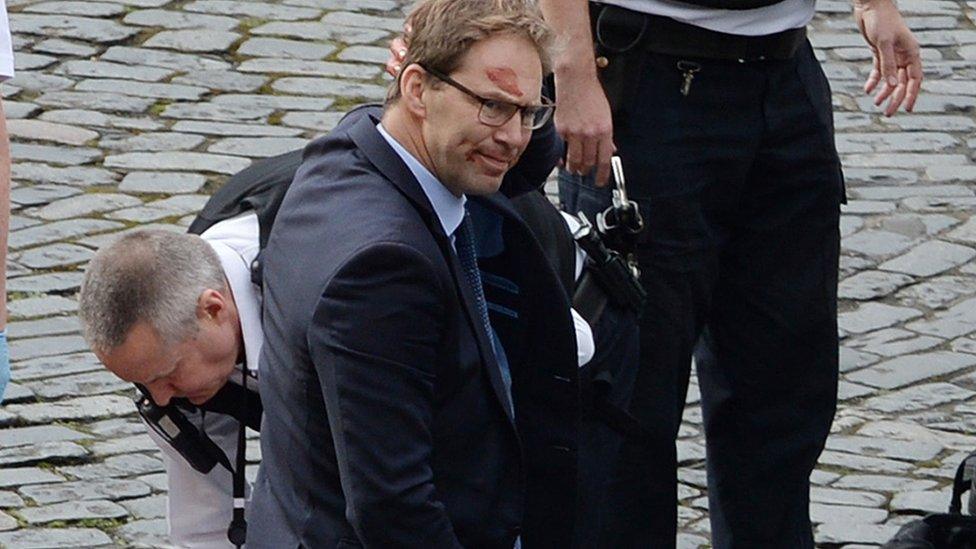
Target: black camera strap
[(237, 532)]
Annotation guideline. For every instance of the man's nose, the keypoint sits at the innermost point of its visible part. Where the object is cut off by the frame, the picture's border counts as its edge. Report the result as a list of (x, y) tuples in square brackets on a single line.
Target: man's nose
[(161, 393), (513, 132)]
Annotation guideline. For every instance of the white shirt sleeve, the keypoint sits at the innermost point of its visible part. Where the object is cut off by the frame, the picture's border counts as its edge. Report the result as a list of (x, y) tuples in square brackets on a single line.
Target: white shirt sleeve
[(6, 45)]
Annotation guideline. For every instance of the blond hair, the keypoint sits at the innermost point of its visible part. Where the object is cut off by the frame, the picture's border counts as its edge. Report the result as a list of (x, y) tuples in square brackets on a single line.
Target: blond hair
[(442, 32)]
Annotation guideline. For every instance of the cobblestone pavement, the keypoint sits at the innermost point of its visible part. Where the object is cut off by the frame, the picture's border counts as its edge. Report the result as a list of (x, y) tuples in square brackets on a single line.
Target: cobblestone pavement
[(127, 113)]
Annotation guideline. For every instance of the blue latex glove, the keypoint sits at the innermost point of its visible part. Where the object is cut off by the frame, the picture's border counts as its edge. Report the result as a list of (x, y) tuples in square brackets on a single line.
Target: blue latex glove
[(4, 363)]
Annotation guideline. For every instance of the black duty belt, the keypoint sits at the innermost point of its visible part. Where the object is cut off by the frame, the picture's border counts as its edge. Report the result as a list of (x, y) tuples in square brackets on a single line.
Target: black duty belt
[(618, 29)]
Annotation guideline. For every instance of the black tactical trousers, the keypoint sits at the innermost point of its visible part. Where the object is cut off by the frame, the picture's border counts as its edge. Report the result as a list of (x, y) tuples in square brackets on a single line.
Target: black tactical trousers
[(740, 185)]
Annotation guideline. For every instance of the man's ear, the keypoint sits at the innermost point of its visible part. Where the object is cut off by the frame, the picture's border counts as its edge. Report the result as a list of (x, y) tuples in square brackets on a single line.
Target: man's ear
[(211, 304), (414, 84)]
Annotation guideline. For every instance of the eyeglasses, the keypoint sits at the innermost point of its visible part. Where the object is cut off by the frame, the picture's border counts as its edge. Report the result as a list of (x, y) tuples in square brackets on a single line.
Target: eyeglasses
[(495, 112)]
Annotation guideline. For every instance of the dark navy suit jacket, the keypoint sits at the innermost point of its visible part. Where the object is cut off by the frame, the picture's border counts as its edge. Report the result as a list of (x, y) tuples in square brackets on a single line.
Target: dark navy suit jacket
[(384, 418)]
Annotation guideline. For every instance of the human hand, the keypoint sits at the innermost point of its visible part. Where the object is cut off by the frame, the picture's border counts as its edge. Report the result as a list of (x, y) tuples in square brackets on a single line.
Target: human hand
[(4, 363), (584, 121), (897, 64)]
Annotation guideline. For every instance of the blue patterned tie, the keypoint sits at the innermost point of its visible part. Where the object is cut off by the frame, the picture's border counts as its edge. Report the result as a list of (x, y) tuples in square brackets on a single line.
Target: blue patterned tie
[(467, 256)]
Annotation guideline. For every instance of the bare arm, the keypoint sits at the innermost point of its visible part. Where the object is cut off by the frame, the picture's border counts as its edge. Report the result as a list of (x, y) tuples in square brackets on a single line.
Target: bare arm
[(897, 64), (583, 116)]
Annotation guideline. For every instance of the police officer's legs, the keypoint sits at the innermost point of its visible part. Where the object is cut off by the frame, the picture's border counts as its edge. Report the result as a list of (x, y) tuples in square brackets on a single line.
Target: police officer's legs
[(768, 365)]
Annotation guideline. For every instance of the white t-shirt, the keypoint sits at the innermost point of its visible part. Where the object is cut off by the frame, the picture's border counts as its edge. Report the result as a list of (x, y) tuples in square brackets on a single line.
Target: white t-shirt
[(6, 45), (785, 15)]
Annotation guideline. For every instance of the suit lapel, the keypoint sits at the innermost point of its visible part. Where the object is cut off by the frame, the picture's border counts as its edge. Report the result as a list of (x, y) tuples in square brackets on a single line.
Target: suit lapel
[(386, 160)]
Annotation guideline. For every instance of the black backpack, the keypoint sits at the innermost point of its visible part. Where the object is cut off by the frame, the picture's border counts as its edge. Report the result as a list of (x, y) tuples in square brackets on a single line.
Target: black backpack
[(952, 530)]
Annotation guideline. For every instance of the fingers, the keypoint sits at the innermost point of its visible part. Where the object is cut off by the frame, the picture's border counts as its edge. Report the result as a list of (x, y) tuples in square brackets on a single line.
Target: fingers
[(606, 150), (899, 94), (875, 76), (889, 71), (914, 72), (574, 155)]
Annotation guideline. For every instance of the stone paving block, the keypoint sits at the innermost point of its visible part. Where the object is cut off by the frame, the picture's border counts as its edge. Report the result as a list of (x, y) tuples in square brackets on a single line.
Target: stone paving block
[(894, 342), (867, 464), (106, 239), (910, 430), (947, 174), (181, 62), (89, 383), (53, 256), (54, 325), (79, 176), (100, 119), (151, 533), (898, 193), (15, 392), (78, 206), (73, 510), (54, 154), (39, 453), (21, 436), (929, 501), (117, 427), (257, 147), (883, 483), (147, 508), (306, 67), (217, 112), (83, 408), (162, 182), (155, 90), (873, 316), (319, 121), (134, 443), (917, 398), (938, 291), (38, 130), (832, 496), (107, 69), (160, 209), (869, 285), (36, 195), (90, 9), (884, 448), (958, 320), (162, 141), (19, 109), (918, 226), (299, 85), (878, 176), (281, 48), (841, 514), (849, 391), (107, 489), (868, 207), (907, 141), (851, 359), (319, 32), (57, 46), (257, 10), (275, 102), (365, 54), (188, 161), (45, 367), (193, 40), (906, 370), (41, 306), (234, 130), (71, 27), (46, 538), (9, 500), (930, 258), (845, 533), (158, 481), (63, 230), (222, 80), (115, 466), (877, 243), (23, 476), (172, 19), (96, 100), (36, 81)]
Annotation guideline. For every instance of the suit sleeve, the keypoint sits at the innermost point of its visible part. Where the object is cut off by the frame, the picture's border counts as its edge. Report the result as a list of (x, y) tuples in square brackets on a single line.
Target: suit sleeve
[(373, 341)]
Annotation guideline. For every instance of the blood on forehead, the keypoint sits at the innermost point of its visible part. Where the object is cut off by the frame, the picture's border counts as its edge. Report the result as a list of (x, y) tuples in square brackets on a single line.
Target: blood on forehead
[(506, 79)]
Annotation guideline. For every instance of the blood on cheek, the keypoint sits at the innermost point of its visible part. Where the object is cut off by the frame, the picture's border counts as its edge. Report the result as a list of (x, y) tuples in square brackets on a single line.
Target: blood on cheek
[(506, 79)]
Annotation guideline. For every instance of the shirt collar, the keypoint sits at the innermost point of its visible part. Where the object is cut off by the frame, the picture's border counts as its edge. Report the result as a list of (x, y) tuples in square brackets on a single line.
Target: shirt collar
[(449, 208)]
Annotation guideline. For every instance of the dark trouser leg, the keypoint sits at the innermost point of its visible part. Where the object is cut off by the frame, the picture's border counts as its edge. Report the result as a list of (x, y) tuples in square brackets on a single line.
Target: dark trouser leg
[(768, 366)]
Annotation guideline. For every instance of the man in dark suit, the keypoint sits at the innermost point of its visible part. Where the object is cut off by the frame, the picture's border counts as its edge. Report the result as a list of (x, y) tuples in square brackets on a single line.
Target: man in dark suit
[(399, 412)]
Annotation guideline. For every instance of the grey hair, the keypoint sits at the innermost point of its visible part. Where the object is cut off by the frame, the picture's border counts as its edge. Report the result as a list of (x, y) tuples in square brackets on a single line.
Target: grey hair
[(148, 275)]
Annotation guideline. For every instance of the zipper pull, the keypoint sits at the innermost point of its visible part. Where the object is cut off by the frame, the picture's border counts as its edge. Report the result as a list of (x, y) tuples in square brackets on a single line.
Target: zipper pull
[(688, 69)]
